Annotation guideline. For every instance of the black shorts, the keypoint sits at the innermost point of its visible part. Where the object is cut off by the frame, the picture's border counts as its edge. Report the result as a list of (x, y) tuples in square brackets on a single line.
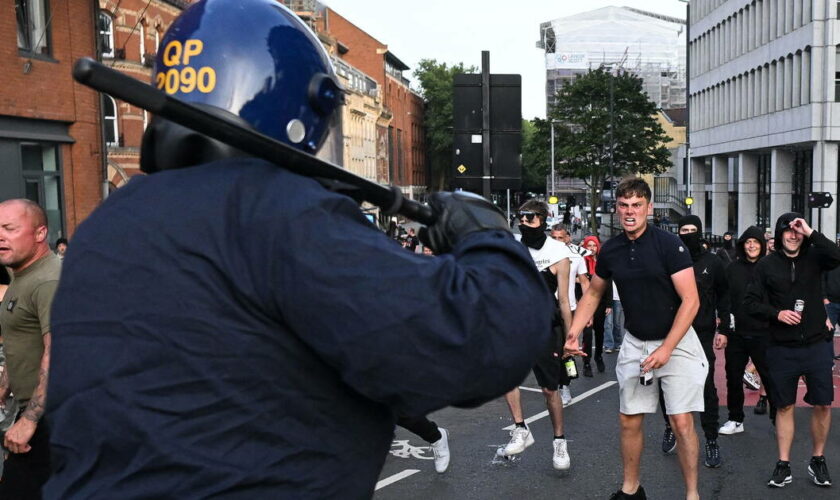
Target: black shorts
[(786, 364), (549, 369)]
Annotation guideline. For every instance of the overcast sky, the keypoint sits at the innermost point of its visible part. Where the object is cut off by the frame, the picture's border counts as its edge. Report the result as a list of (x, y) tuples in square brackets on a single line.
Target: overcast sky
[(454, 31)]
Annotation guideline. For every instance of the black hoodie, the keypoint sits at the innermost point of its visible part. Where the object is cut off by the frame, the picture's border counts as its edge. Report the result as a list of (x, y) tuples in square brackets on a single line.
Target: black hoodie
[(780, 281), (739, 273), (712, 288)]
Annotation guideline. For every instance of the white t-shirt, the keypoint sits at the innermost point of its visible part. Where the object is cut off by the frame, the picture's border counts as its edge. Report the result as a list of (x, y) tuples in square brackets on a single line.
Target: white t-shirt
[(551, 253), (576, 267)]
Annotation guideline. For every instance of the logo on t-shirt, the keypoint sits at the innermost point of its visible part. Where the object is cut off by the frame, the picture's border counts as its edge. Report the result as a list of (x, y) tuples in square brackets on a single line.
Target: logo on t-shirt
[(682, 249)]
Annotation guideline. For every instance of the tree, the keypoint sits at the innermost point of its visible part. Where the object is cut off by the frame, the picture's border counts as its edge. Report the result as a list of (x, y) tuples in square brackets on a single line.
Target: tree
[(536, 154), (436, 81), (594, 144)]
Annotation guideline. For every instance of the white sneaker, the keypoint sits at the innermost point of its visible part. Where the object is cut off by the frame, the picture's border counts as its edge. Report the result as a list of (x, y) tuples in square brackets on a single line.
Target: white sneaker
[(731, 427), (565, 395), (561, 460), (520, 438), (440, 448), (751, 381)]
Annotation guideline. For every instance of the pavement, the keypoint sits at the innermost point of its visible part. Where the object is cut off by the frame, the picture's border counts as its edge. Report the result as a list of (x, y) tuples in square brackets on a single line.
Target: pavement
[(591, 427)]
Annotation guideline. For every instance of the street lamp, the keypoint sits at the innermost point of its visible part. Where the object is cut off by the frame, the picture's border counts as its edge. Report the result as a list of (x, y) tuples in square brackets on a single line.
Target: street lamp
[(687, 101)]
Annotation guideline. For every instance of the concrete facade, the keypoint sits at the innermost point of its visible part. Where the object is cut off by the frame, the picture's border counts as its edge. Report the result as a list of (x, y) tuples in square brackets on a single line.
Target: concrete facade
[(763, 84)]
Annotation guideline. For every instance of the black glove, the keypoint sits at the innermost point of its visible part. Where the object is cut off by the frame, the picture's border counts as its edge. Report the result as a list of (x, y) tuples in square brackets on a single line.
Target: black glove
[(459, 214)]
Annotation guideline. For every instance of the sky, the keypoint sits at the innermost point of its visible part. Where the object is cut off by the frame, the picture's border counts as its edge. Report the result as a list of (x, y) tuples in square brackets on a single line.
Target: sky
[(454, 31)]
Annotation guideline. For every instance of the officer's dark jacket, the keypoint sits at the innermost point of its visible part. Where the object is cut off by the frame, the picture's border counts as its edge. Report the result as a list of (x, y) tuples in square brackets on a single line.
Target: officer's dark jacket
[(713, 292), (235, 330), (780, 280), (739, 273)]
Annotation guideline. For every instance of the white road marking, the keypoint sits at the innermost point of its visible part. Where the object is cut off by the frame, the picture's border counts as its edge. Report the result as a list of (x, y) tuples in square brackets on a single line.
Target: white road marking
[(396, 477), (575, 399), (523, 388)]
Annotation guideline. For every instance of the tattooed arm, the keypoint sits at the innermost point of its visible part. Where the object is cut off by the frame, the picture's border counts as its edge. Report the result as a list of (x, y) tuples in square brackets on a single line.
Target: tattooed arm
[(19, 434), (35, 409)]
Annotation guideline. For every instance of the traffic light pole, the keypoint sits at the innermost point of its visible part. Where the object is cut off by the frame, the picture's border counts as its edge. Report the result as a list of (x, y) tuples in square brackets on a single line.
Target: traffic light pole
[(485, 123)]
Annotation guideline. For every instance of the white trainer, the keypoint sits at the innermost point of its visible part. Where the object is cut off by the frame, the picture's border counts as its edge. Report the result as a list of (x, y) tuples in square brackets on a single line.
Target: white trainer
[(565, 395), (731, 427), (520, 438), (751, 381), (440, 449), (561, 460)]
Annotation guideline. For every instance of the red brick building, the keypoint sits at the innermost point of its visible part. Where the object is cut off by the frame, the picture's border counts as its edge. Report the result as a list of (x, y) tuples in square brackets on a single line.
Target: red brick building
[(404, 138), (129, 33), (50, 135)]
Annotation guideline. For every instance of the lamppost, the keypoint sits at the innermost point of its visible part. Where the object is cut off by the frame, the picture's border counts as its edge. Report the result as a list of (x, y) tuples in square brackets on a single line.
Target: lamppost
[(688, 199)]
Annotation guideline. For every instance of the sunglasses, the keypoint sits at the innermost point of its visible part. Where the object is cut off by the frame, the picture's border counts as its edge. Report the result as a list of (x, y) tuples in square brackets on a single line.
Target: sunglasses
[(529, 216)]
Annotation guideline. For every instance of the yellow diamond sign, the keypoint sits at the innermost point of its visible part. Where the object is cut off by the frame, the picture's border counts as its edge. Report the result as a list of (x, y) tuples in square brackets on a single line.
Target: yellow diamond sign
[(461, 169)]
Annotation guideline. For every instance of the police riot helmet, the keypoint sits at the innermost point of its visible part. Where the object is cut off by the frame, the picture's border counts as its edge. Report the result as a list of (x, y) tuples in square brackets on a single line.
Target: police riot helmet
[(254, 61)]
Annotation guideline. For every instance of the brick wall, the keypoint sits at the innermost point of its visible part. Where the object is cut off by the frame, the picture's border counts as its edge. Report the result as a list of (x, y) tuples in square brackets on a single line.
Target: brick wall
[(47, 92)]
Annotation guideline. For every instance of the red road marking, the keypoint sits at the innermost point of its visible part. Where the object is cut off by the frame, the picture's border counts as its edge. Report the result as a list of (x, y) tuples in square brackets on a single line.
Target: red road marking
[(750, 396)]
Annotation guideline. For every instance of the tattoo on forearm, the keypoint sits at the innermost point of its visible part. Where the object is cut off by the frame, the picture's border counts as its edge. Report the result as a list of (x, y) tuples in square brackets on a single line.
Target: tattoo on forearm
[(35, 408)]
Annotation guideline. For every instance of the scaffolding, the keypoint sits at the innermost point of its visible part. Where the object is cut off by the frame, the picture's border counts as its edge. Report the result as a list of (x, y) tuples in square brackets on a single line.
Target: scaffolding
[(651, 46)]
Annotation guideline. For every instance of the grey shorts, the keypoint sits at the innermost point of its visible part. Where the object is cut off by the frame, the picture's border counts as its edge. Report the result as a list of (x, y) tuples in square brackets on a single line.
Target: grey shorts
[(681, 379)]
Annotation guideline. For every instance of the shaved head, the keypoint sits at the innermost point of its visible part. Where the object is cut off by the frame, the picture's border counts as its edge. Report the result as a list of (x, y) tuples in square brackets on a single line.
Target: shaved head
[(23, 233)]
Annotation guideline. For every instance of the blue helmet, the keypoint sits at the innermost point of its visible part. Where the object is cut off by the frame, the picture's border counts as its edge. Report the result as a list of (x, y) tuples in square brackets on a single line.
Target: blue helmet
[(256, 60)]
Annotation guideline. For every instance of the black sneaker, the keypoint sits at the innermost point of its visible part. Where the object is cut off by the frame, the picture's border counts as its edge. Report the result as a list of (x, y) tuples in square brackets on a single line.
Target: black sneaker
[(639, 495), (587, 370), (600, 364), (819, 471), (712, 454), (781, 475), (761, 406), (669, 441)]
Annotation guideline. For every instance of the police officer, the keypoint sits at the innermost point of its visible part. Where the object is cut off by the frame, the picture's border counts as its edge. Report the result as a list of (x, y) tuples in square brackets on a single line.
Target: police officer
[(225, 327)]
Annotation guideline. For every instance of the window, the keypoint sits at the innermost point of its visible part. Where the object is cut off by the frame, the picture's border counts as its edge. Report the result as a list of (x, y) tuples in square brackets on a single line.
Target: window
[(109, 120), (32, 26), (142, 43), (106, 35), (42, 182)]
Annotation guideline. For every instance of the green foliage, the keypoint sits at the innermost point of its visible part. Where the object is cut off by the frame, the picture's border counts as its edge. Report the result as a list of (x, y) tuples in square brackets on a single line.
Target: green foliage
[(536, 154), (436, 80), (582, 130)]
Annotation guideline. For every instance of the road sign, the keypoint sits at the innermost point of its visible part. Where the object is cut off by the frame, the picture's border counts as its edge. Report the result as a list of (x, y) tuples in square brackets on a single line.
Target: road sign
[(820, 199), (689, 201)]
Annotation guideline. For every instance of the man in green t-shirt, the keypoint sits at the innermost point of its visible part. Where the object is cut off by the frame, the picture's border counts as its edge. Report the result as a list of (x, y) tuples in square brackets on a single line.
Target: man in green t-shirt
[(25, 329)]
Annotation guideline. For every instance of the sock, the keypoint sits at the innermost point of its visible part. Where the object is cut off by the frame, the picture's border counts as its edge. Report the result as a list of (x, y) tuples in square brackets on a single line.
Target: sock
[(561, 436), (520, 424)]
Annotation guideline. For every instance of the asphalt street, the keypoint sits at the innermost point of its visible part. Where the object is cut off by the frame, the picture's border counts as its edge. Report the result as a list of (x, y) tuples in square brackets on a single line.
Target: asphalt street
[(592, 430)]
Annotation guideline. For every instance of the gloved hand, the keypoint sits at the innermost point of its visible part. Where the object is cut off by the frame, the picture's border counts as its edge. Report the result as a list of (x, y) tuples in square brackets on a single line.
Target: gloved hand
[(459, 214)]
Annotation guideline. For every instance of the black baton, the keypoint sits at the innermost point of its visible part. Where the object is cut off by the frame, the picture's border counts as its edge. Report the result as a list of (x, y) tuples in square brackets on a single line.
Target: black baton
[(133, 91)]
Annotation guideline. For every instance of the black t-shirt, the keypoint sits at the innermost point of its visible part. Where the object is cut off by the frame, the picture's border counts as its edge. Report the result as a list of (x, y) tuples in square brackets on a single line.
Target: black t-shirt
[(642, 270)]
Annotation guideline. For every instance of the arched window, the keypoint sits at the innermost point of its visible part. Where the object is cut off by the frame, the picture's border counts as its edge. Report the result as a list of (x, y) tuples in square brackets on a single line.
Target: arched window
[(106, 34), (109, 121)]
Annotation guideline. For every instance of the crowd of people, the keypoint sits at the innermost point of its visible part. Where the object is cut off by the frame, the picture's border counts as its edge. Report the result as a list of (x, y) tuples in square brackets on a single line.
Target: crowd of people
[(686, 304), (225, 327)]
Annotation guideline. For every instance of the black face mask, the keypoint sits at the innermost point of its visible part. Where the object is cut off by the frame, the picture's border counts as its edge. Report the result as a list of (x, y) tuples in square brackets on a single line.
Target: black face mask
[(727, 244), (533, 237), (692, 242)]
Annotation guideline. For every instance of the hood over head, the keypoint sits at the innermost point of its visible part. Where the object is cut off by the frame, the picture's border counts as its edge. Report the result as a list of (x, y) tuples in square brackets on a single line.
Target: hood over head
[(783, 223), (592, 238), (751, 232), (691, 219)]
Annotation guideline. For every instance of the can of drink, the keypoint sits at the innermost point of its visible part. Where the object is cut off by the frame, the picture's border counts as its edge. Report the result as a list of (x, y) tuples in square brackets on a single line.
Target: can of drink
[(571, 368), (646, 378), (799, 306)]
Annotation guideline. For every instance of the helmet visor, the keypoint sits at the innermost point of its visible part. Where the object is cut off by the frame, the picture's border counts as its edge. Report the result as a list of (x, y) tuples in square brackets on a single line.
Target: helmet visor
[(332, 150)]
